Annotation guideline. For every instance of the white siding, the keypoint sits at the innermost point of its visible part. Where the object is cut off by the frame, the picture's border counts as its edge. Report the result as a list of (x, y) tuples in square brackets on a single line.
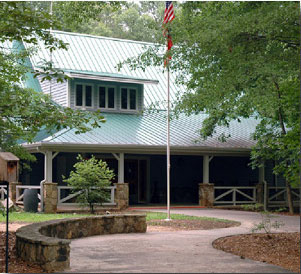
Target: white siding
[(58, 90)]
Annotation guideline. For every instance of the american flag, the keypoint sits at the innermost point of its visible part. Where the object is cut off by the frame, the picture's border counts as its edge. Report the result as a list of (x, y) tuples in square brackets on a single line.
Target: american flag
[(169, 14)]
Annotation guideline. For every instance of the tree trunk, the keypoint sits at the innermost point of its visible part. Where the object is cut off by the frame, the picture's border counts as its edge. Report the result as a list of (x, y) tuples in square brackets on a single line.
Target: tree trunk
[(288, 187), (289, 197)]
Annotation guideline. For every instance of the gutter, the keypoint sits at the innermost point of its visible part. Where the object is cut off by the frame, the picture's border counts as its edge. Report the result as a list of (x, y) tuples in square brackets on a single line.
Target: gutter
[(112, 78), (139, 149)]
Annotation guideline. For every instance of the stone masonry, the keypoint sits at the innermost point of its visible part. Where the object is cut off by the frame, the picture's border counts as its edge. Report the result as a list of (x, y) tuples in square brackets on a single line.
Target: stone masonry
[(206, 194), (47, 243), (50, 197), (122, 195)]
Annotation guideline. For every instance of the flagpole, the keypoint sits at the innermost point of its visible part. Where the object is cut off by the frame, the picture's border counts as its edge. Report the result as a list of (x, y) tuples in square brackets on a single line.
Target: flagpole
[(168, 147), (168, 17)]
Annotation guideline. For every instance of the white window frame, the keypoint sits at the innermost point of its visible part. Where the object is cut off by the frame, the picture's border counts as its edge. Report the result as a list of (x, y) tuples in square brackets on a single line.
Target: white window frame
[(84, 95), (128, 99), (107, 97)]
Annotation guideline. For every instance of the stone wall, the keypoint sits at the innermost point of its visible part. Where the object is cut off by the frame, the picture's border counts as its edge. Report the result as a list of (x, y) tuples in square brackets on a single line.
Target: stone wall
[(206, 194), (122, 195), (50, 197), (47, 243)]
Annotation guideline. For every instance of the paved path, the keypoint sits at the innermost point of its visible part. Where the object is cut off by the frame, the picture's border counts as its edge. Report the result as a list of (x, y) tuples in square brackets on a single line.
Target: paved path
[(172, 252)]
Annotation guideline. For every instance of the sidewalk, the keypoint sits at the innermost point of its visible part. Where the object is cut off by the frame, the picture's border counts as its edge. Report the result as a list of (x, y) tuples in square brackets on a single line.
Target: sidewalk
[(172, 252)]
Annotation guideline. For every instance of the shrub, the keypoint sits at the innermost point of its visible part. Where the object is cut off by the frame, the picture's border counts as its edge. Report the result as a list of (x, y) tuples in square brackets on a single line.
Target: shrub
[(91, 179), (266, 224)]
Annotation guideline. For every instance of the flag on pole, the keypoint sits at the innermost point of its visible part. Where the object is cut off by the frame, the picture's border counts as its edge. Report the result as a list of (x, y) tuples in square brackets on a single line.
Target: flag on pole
[(169, 15)]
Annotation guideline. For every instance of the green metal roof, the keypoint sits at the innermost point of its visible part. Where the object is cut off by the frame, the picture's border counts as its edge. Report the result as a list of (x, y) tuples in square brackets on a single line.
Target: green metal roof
[(148, 131), (101, 55), (107, 76)]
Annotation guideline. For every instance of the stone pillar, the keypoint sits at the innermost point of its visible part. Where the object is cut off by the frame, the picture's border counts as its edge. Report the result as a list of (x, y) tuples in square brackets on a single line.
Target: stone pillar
[(122, 195), (13, 190), (206, 194), (50, 197)]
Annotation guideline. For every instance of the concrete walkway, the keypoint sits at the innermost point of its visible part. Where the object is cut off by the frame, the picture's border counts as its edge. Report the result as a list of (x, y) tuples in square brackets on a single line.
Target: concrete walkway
[(172, 252)]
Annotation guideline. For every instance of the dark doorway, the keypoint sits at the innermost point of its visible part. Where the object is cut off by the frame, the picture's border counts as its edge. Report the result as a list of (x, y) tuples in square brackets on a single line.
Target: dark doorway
[(135, 174)]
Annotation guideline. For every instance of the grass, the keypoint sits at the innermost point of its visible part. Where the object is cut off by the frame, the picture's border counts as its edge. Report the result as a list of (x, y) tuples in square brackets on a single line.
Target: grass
[(37, 217), (41, 217), (159, 216)]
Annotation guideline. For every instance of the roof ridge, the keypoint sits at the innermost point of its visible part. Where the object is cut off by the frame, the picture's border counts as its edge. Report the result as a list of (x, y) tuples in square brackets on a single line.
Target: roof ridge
[(101, 37)]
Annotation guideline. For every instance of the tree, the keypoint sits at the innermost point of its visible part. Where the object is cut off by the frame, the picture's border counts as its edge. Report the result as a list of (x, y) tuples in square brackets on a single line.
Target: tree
[(24, 112), (241, 60), (91, 179), (135, 21)]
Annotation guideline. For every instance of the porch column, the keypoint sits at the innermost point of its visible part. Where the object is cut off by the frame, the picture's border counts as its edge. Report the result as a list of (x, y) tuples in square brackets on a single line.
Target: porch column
[(121, 168), (120, 159), (206, 190), (205, 169), (48, 167), (48, 188), (206, 161), (261, 188), (261, 175)]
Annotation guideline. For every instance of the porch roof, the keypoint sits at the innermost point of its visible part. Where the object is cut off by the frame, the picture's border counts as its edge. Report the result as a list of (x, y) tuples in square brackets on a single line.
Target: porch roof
[(147, 134)]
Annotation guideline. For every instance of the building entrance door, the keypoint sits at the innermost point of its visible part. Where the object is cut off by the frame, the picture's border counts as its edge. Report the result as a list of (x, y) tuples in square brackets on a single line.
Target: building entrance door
[(135, 174)]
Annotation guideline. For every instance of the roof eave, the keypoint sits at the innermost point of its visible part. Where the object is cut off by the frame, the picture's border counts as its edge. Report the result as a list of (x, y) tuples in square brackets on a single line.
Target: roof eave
[(112, 78), (139, 149)]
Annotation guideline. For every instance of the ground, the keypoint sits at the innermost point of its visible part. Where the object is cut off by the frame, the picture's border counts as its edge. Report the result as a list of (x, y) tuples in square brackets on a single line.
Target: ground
[(281, 249)]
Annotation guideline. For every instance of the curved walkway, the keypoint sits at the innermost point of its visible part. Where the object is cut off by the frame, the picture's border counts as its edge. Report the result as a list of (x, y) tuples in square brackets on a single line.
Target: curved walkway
[(172, 252)]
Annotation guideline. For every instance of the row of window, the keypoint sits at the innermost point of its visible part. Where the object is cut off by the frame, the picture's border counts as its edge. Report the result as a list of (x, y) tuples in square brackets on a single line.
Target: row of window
[(106, 96)]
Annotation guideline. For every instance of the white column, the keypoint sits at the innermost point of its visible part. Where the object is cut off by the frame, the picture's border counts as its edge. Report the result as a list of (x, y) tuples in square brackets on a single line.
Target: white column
[(48, 167), (205, 169), (120, 159), (121, 168)]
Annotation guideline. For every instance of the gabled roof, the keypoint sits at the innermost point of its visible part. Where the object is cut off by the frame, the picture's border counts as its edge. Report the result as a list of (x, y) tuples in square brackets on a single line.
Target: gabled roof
[(147, 133), (101, 55)]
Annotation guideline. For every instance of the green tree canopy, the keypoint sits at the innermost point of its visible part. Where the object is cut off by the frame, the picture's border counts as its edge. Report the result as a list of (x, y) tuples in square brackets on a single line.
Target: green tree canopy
[(135, 21), (241, 60), (91, 180), (24, 112)]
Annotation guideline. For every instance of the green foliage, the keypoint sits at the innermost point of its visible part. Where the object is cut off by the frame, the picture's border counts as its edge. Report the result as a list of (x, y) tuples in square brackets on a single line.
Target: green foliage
[(24, 112), (135, 21), (2, 210), (240, 60), (252, 207), (267, 224), (91, 178), (38, 217), (150, 216)]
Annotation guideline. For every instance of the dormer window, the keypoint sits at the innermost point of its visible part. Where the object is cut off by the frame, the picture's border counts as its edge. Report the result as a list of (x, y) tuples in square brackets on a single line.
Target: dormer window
[(106, 97), (129, 98), (83, 95)]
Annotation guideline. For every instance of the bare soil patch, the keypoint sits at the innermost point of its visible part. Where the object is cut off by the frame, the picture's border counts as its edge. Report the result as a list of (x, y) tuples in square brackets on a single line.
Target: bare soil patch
[(176, 225), (15, 265), (282, 249)]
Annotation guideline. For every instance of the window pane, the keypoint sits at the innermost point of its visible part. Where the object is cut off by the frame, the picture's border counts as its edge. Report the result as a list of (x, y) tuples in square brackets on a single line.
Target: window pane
[(102, 97), (124, 98), (79, 95), (111, 94), (132, 99), (88, 96)]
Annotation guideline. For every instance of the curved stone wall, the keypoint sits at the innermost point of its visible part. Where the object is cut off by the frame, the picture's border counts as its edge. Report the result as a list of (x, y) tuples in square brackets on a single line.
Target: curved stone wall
[(48, 244)]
